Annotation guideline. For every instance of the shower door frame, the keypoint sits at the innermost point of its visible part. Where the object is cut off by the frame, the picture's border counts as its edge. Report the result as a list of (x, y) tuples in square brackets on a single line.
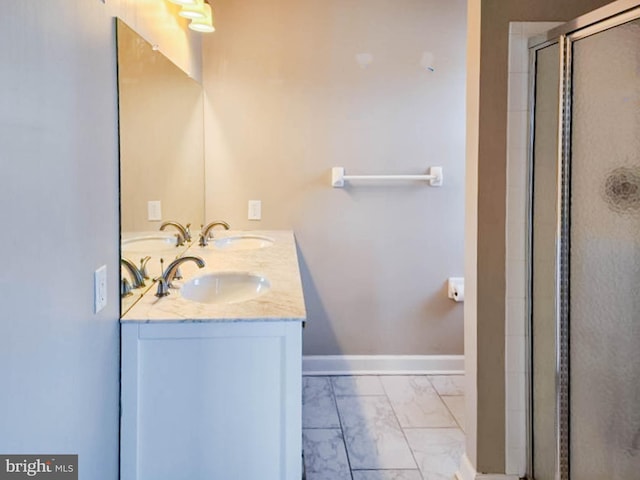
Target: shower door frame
[(609, 16)]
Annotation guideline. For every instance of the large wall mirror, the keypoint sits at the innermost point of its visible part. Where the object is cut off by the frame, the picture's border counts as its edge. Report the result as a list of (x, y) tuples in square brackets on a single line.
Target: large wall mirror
[(161, 154)]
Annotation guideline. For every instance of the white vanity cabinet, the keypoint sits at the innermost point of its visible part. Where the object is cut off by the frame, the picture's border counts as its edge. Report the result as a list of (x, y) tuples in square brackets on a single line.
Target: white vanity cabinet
[(209, 400)]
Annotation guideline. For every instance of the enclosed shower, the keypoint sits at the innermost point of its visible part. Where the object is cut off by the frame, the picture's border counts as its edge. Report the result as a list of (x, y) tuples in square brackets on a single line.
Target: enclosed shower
[(584, 248)]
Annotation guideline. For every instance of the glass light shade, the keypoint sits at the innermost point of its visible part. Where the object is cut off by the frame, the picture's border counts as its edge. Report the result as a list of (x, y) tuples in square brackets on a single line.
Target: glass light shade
[(203, 25), (193, 12)]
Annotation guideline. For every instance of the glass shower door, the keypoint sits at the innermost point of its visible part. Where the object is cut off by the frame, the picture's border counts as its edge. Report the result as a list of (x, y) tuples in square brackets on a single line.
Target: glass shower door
[(544, 222), (604, 259)]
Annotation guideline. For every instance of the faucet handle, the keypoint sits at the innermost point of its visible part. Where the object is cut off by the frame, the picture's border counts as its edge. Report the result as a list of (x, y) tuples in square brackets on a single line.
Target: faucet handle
[(163, 287), (187, 232), (179, 239), (202, 240), (143, 267)]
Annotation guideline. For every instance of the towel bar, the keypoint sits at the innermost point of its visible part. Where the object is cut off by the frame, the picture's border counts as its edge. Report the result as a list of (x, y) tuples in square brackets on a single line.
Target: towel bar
[(338, 177)]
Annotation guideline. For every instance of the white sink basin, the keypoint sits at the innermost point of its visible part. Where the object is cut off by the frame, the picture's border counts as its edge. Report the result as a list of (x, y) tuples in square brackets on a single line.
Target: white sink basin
[(242, 242), (225, 287), (149, 244)]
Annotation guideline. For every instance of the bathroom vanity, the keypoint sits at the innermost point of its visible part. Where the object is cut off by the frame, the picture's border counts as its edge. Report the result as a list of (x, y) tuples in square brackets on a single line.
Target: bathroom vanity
[(211, 384)]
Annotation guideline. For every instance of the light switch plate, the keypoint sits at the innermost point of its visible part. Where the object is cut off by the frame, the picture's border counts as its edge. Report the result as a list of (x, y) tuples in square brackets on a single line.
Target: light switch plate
[(100, 288), (255, 210), (154, 211)]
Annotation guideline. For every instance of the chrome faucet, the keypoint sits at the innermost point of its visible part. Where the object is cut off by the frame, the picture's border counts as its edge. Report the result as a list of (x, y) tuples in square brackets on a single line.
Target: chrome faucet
[(205, 232), (164, 281), (185, 234), (137, 278)]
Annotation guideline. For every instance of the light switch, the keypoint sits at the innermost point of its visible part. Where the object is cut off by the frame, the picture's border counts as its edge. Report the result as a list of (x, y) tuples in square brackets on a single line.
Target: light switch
[(255, 210), (154, 211)]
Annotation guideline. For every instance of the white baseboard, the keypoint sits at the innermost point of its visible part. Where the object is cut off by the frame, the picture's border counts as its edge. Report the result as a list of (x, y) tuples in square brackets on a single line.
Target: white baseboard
[(468, 472), (382, 364)]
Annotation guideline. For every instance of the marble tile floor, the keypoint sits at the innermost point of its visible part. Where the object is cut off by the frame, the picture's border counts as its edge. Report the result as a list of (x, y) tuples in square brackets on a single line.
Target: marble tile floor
[(408, 427)]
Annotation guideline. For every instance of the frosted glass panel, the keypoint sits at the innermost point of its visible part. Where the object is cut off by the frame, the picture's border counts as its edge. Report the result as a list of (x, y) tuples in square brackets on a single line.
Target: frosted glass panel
[(605, 256), (543, 329)]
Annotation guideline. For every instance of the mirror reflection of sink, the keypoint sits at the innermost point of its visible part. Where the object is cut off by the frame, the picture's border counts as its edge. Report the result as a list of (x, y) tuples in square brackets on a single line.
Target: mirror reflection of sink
[(149, 244), (242, 242), (225, 287)]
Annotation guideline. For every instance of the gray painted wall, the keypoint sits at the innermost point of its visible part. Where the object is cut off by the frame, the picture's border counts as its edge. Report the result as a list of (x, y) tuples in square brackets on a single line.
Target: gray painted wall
[(287, 100), (59, 362)]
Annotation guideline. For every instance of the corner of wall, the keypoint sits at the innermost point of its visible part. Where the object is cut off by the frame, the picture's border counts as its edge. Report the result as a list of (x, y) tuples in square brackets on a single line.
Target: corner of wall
[(471, 225)]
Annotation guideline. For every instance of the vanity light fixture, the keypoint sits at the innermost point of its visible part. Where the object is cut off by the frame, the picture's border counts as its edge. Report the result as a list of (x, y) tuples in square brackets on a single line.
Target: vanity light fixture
[(194, 11), (203, 25), (199, 12)]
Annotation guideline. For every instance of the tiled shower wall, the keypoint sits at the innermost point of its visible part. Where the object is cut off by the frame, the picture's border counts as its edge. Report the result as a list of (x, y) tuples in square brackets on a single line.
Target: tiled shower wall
[(516, 231)]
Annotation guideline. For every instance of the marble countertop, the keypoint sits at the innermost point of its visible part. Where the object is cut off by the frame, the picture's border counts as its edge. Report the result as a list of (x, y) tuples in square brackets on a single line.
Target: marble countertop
[(277, 262)]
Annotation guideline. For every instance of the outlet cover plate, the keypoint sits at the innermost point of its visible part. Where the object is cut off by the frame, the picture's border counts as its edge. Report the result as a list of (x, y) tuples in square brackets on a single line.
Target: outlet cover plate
[(100, 288)]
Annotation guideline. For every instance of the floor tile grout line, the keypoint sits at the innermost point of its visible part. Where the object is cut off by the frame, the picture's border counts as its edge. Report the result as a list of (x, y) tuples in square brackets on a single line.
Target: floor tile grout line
[(437, 395), (436, 389), (455, 419), (395, 414), (405, 430), (451, 411), (331, 397), (425, 428), (344, 441)]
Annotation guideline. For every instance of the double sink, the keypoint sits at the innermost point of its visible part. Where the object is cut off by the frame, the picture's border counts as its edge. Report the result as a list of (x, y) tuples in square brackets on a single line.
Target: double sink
[(210, 288)]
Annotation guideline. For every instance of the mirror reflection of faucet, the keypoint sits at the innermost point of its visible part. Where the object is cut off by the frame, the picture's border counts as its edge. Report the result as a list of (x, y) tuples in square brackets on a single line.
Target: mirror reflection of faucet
[(125, 288), (164, 280), (184, 234), (137, 277), (206, 234)]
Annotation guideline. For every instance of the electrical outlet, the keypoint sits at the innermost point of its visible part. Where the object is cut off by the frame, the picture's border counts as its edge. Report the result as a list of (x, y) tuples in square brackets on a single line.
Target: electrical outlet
[(100, 288), (255, 210), (154, 211)]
